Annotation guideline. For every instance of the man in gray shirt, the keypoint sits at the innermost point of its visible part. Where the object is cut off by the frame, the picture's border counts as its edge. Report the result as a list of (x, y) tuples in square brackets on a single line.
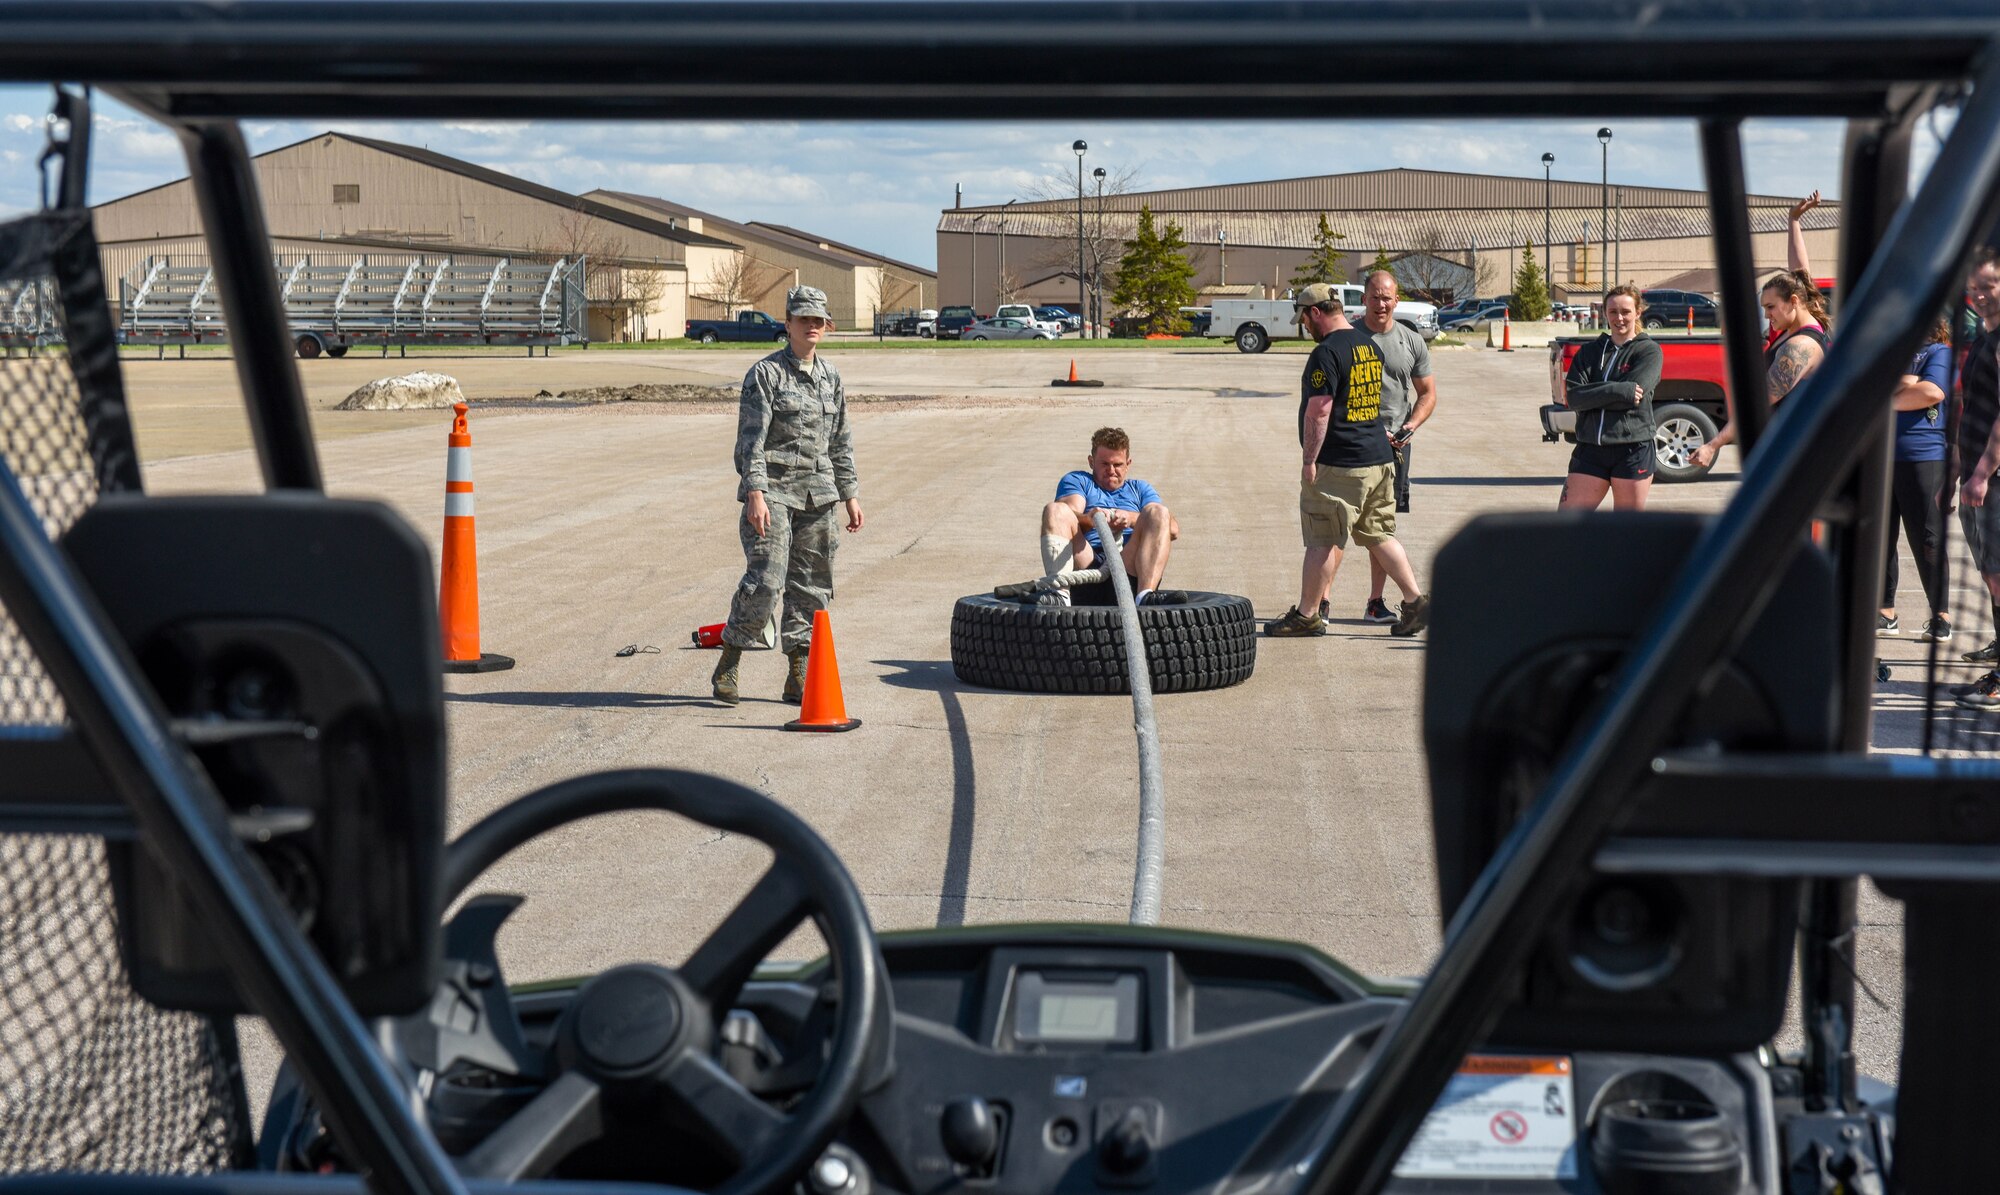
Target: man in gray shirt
[(1409, 395)]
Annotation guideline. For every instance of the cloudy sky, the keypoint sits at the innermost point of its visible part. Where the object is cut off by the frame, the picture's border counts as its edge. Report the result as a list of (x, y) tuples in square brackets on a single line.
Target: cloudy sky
[(882, 185)]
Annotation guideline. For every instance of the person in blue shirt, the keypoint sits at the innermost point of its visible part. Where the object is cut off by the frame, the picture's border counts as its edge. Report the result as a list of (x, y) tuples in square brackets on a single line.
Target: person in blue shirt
[(1146, 527), (1916, 491)]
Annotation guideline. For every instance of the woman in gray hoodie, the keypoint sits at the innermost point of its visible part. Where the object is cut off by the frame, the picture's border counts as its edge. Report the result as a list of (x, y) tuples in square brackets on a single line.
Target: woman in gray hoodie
[(1610, 385)]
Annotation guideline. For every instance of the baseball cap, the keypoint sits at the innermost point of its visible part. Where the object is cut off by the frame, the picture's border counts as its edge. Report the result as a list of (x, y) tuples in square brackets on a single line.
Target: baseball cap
[(1313, 296), (806, 300)]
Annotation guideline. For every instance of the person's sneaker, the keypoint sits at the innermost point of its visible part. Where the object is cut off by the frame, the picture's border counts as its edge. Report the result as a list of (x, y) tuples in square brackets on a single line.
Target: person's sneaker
[(1962, 690), (1378, 612), (1990, 654), (1416, 616), (1295, 625), (1886, 624), (1937, 630), (1984, 696), (1052, 597)]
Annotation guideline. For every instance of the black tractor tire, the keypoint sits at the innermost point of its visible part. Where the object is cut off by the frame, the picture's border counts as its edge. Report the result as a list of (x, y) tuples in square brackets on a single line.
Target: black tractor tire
[(708, 336), (1206, 641), (1681, 427), (308, 347), (1252, 339)]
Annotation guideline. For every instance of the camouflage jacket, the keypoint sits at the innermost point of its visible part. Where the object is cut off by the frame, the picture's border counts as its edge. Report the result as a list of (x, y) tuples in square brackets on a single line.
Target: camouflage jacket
[(792, 440)]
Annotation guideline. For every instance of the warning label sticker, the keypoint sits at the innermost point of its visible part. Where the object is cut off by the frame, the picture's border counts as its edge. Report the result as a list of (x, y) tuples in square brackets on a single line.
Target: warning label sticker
[(1501, 1116)]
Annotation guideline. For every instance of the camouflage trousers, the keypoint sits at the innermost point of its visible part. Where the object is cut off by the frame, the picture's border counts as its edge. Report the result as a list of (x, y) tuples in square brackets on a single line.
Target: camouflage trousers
[(792, 563)]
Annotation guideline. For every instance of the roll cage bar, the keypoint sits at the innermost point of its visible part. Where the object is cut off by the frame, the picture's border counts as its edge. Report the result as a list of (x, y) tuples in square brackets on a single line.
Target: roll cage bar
[(199, 66)]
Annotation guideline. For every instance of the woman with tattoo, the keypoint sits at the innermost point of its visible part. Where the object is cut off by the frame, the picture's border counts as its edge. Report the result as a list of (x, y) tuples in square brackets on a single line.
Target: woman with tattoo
[(1799, 348)]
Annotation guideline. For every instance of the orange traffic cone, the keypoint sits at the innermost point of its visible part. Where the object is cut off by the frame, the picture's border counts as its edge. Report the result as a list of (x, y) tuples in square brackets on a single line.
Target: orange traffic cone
[(1690, 319), (1072, 363), (823, 708), (1506, 332), (1073, 380), (458, 584)]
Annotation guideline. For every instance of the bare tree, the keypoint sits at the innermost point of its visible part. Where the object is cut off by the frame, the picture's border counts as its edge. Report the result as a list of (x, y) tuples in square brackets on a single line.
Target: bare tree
[(1433, 268), (737, 279), (1104, 232), (1008, 285)]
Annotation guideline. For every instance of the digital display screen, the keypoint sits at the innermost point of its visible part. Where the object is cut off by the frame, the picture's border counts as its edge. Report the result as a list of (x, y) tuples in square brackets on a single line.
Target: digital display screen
[(1081, 1017), (1076, 1009)]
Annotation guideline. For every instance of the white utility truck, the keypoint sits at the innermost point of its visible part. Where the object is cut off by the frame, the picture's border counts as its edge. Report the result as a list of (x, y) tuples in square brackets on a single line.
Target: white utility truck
[(1254, 323)]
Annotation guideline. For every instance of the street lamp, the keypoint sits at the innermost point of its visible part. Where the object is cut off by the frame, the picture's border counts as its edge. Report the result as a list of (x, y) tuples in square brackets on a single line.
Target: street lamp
[(1604, 213), (1548, 254), (1080, 147), (973, 299), (1097, 270), (1003, 243)]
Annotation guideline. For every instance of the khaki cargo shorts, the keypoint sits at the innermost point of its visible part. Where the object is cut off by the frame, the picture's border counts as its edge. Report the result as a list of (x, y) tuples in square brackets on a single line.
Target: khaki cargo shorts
[(1344, 502)]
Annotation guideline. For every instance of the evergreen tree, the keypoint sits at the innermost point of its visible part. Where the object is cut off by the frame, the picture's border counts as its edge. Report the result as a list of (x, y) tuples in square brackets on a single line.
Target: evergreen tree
[(1383, 264), (1155, 278), (1324, 263), (1531, 291)]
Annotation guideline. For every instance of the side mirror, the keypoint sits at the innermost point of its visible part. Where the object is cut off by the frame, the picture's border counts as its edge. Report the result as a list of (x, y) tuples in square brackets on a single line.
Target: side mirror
[(294, 639)]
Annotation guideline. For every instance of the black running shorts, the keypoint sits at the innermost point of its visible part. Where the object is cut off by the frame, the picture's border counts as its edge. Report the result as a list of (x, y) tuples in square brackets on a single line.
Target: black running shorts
[(1613, 462)]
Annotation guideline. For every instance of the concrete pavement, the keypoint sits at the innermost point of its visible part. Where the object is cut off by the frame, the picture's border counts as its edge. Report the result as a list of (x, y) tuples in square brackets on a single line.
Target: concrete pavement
[(1296, 803)]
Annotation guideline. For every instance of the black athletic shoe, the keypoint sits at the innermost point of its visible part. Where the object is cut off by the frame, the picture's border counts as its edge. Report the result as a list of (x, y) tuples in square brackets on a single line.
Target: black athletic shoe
[(1936, 630), (1984, 696), (1990, 654), (1886, 624), (1416, 616), (1377, 611), (1295, 625), (1962, 690)]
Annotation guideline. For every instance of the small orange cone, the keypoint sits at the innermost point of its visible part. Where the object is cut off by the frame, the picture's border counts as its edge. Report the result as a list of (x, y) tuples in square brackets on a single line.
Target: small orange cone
[(823, 709), (1072, 362), (1690, 319), (458, 582), (1506, 332)]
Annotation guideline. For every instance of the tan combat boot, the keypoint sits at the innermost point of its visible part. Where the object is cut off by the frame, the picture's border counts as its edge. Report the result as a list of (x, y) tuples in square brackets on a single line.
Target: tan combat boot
[(724, 679), (795, 679)]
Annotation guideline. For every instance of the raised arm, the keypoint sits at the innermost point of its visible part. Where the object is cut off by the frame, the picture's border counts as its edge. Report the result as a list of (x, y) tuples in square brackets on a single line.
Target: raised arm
[(1795, 235)]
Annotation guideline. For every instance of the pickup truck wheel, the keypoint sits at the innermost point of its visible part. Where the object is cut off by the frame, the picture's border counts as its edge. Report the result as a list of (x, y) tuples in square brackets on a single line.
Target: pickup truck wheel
[(1679, 429), (1194, 641), (777, 336), (1654, 321), (1251, 339), (708, 336)]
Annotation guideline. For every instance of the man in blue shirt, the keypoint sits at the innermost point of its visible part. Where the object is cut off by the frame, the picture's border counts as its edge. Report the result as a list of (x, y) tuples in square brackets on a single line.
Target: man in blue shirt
[(1133, 508)]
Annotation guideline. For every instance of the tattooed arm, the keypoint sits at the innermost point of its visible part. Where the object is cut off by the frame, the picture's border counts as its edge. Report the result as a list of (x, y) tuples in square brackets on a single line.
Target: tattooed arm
[(1796, 360)]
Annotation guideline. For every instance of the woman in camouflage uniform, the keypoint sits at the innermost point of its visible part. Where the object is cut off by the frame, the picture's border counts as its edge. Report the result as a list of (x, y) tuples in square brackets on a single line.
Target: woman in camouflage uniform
[(796, 461)]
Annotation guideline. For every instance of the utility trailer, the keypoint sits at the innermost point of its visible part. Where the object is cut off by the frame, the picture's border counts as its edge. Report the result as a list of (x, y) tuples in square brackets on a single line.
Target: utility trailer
[(384, 300)]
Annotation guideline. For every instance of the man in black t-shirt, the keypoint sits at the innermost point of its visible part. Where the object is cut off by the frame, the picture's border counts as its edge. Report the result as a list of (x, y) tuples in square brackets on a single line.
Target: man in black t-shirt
[(1978, 456), (1347, 468)]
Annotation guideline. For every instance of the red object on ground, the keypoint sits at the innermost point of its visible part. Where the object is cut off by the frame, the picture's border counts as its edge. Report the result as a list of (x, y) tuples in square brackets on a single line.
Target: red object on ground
[(710, 635)]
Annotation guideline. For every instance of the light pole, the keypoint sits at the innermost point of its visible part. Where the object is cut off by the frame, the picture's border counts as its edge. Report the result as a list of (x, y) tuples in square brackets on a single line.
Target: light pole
[(973, 299), (1604, 213), (1222, 269), (1080, 147), (1097, 267), (1548, 254), (1003, 244)]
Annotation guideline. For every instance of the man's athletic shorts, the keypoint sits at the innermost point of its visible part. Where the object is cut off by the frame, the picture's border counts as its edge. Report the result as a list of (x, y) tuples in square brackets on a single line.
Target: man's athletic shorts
[(1343, 503), (1613, 462), (1982, 532)]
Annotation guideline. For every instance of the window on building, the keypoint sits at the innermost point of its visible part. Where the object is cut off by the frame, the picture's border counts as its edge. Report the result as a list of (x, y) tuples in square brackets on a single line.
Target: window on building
[(347, 192)]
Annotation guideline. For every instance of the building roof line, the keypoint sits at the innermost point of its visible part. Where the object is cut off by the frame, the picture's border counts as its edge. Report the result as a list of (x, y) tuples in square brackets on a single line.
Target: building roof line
[(868, 254), (733, 227)]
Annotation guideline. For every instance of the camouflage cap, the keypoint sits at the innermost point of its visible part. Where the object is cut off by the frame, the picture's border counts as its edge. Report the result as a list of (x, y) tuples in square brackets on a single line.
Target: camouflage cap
[(806, 300), (1313, 296)]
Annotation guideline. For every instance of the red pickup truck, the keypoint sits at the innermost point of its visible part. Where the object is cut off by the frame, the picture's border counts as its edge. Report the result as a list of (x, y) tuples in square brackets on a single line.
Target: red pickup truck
[(1690, 408)]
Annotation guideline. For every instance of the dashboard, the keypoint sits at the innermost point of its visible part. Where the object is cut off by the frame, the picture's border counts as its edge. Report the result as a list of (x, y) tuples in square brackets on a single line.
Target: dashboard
[(1041, 1060)]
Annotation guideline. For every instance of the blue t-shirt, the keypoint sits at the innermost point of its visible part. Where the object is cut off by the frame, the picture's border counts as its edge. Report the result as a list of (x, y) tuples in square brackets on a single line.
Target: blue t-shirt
[(1920, 434), (1134, 495)]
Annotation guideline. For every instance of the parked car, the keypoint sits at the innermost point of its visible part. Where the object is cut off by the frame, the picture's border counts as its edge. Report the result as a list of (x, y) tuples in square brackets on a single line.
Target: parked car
[(1669, 309), (1477, 321), (1460, 307), (1070, 321), (748, 325), (927, 322), (1007, 329), (951, 322), (1690, 406), (1254, 323), (1026, 314)]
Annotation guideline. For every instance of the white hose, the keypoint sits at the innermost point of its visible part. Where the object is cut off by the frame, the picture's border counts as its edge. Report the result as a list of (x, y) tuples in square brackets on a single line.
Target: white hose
[(1151, 862)]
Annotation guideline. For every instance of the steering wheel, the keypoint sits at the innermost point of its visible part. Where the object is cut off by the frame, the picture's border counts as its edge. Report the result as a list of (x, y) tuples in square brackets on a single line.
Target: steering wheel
[(637, 1045)]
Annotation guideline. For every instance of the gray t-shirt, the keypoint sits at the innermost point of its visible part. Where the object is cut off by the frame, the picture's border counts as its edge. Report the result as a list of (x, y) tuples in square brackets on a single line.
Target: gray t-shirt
[(1405, 358)]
